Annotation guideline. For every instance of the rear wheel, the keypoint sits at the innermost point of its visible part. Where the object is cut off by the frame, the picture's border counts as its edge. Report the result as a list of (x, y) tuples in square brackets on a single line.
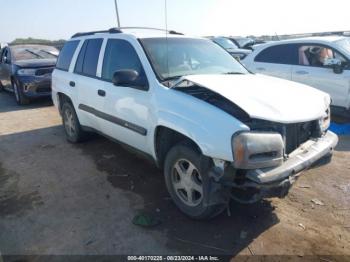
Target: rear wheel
[(20, 98), (188, 183), (73, 130)]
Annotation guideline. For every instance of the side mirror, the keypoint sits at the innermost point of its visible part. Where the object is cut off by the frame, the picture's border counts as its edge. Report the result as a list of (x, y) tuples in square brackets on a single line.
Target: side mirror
[(129, 78), (334, 63)]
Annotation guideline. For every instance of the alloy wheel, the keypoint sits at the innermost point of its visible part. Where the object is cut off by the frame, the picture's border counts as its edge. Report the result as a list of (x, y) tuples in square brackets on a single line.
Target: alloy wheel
[(69, 123), (15, 89), (187, 182)]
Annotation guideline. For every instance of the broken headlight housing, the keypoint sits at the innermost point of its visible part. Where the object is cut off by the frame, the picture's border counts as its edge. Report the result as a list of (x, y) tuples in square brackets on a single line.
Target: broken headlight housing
[(325, 121), (252, 150)]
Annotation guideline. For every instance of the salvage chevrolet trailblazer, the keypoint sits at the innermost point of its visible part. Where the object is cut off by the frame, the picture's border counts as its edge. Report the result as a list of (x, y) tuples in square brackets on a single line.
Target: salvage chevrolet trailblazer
[(217, 131)]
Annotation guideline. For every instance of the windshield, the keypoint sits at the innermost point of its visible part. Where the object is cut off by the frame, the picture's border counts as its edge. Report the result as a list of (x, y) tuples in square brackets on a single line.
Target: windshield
[(225, 43), (345, 44), (176, 57), (33, 52)]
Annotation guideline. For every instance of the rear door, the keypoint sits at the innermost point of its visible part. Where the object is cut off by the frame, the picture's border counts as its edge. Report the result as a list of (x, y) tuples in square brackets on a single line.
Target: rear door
[(276, 61), (126, 112), (86, 83), (311, 71)]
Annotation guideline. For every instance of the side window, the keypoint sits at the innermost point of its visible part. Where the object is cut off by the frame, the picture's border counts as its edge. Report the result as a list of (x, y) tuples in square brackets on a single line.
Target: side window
[(315, 55), (120, 55), (88, 57), (279, 54), (4, 54), (66, 55)]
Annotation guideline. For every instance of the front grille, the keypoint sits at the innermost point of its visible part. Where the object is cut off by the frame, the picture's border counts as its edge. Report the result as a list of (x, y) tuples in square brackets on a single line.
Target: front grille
[(293, 134), (299, 133), (44, 71)]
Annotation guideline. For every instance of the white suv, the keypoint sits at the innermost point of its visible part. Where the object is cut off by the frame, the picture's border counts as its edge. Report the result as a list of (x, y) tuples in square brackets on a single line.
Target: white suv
[(218, 131), (321, 62)]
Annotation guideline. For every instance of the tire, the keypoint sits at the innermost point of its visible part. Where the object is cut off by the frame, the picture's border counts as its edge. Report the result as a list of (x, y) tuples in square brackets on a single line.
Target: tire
[(188, 183), (72, 128), (19, 96), (1, 87)]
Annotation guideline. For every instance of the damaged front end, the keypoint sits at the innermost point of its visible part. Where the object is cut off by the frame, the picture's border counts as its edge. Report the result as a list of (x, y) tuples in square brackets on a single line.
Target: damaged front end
[(269, 158)]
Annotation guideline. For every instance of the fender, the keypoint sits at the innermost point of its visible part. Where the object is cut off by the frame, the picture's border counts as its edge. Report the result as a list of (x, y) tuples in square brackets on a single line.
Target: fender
[(208, 126)]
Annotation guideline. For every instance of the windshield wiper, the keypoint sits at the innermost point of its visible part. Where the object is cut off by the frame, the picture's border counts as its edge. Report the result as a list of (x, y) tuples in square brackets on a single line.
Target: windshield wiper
[(33, 53), (49, 53), (232, 73)]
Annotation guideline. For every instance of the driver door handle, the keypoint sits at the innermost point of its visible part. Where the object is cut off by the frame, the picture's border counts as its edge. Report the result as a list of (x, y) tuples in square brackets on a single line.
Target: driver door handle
[(260, 68), (101, 92)]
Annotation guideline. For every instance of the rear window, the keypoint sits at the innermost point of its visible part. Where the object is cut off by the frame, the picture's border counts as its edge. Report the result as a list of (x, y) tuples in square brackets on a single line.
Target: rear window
[(279, 54), (88, 57), (66, 55)]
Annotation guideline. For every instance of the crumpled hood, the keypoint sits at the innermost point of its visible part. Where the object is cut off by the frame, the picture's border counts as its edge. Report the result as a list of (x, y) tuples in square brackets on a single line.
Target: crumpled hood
[(268, 98)]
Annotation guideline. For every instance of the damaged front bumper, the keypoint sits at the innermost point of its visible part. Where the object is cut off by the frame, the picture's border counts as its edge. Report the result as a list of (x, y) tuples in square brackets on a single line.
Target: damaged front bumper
[(276, 181), (302, 158)]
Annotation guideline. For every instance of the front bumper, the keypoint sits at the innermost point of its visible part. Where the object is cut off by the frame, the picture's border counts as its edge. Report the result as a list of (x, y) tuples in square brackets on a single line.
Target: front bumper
[(302, 158), (35, 86)]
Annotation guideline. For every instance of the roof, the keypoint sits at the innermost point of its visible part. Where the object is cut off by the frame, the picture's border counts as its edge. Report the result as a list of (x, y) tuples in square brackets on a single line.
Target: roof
[(139, 32), (317, 39)]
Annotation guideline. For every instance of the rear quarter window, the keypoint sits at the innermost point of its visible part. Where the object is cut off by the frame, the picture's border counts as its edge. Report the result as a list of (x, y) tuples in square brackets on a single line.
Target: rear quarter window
[(279, 54), (88, 57), (66, 55)]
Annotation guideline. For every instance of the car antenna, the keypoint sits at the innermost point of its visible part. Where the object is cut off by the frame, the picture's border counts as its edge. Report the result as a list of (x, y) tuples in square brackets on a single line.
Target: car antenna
[(166, 37), (117, 13)]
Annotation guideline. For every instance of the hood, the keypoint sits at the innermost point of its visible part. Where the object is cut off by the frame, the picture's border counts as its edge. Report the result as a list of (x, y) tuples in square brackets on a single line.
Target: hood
[(268, 98), (34, 63)]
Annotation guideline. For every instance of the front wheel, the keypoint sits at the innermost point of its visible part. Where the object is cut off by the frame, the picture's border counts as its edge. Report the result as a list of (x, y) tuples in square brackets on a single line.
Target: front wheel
[(20, 98), (188, 183)]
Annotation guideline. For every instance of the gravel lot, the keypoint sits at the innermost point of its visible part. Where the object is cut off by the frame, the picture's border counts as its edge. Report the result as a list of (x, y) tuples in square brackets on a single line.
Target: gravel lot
[(59, 198)]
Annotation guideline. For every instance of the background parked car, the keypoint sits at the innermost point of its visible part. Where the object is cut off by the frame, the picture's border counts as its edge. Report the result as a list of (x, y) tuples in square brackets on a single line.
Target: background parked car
[(26, 71), (244, 42), (231, 47), (321, 62)]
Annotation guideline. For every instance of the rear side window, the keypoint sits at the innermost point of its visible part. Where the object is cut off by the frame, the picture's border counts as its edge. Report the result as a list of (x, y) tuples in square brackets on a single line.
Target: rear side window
[(279, 54), (119, 55), (66, 55), (88, 57)]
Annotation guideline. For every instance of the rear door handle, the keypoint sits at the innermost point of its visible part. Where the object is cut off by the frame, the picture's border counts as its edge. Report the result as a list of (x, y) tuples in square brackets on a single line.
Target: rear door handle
[(260, 68), (302, 72), (72, 83), (101, 92)]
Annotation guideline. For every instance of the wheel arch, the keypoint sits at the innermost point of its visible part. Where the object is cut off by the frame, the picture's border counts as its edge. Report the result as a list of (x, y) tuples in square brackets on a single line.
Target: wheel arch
[(165, 138)]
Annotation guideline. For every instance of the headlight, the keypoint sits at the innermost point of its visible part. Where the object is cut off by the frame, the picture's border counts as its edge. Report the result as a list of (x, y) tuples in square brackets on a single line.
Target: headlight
[(252, 150), (26, 72), (325, 121)]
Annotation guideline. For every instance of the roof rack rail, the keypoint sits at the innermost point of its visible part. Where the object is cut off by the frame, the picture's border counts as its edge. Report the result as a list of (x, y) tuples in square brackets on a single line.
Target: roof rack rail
[(118, 30), (149, 28), (111, 31)]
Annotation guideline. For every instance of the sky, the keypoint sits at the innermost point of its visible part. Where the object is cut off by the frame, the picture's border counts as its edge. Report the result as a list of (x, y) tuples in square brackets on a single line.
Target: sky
[(59, 19)]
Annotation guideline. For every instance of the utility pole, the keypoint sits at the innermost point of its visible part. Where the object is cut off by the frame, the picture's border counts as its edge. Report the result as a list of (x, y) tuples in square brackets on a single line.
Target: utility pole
[(117, 13)]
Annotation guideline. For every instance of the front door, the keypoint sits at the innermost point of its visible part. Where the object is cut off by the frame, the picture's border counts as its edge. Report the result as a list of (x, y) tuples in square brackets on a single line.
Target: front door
[(311, 71), (126, 109), (5, 68)]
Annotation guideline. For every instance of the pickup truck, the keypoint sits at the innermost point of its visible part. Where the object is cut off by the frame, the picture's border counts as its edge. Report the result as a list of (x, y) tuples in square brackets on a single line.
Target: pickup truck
[(218, 131)]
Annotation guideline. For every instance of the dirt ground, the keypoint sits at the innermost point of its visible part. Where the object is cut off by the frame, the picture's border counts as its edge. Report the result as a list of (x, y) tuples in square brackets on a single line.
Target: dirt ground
[(58, 198)]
